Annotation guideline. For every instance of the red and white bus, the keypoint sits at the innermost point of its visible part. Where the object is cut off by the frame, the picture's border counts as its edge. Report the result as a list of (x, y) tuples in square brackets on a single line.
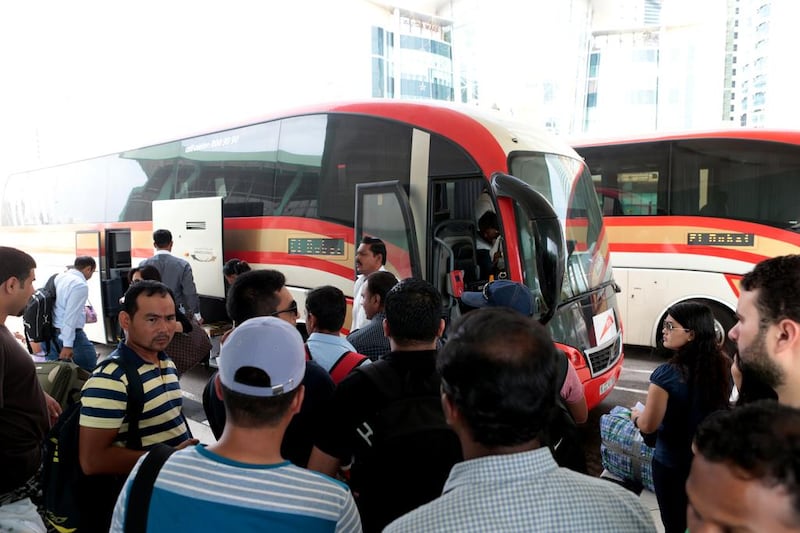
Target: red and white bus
[(688, 214), (296, 191)]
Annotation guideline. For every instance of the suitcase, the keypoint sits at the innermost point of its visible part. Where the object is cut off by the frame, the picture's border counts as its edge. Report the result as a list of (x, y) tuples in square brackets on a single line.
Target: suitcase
[(63, 380), (622, 449)]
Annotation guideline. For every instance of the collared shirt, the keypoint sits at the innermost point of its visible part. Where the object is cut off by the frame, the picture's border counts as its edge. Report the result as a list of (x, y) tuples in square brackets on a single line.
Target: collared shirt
[(359, 315), (526, 491), (326, 349), (72, 292), (370, 339), (104, 400)]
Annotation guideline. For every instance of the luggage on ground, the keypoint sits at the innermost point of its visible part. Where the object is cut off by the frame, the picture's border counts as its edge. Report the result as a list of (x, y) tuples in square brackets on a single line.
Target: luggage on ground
[(622, 449)]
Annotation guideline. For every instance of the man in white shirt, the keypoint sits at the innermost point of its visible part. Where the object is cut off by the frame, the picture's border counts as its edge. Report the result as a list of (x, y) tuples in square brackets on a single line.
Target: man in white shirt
[(370, 257), (69, 315)]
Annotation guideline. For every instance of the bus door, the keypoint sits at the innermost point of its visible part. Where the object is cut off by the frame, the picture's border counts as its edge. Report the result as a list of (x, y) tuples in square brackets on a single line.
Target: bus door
[(88, 243), (196, 226), (534, 240), (382, 210), (114, 278)]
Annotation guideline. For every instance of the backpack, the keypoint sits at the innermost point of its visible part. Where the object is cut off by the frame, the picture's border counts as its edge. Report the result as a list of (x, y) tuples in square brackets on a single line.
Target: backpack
[(411, 445), (63, 380), (38, 315), (141, 490), (74, 501), (562, 434), (343, 365)]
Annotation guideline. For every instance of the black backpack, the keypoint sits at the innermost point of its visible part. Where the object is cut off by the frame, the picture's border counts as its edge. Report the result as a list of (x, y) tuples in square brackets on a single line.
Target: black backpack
[(38, 315), (74, 501), (412, 447), (562, 435)]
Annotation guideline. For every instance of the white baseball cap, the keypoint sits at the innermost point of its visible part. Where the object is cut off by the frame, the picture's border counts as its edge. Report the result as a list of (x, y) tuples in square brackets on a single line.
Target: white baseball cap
[(269, 344)]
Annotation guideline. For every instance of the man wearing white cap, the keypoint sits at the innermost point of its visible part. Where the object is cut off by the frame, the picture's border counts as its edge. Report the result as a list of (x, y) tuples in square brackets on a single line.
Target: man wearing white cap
[(242, 483)]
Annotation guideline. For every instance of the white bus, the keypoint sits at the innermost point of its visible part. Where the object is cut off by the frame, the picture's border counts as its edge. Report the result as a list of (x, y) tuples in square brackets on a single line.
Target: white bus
[(688, 214)]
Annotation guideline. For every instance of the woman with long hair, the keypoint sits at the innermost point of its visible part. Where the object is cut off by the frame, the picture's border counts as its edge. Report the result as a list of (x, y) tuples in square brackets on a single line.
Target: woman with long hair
[(683, 391)]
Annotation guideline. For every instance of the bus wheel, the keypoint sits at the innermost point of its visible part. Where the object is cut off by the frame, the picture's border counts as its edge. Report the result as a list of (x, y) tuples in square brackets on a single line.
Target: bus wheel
[(724, 320)]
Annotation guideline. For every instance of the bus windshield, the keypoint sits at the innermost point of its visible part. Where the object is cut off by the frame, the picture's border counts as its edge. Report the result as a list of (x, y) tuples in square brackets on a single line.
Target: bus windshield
[(551, 175)]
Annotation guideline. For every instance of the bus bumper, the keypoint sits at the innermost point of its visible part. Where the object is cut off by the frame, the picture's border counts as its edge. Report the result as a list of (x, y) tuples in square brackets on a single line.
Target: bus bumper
[(597, 388)]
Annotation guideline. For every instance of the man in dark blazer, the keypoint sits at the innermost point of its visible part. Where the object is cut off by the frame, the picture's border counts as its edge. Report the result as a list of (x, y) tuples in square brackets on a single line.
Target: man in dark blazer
[(176, 273)]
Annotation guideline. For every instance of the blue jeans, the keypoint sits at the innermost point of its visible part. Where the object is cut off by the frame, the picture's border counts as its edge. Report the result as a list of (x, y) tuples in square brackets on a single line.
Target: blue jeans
[(83, 352)]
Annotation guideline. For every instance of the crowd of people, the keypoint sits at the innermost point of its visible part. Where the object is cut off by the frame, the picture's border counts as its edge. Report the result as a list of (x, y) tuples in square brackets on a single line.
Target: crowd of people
[(408, 423)]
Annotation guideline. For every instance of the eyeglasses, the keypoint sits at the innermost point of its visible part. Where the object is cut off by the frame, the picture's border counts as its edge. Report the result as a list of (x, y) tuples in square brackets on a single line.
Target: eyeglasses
[(669, 326), (291, 309)]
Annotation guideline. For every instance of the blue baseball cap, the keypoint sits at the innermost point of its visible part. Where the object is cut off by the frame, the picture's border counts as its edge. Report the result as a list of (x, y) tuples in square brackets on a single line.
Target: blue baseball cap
[(502, 293), (270, 344)]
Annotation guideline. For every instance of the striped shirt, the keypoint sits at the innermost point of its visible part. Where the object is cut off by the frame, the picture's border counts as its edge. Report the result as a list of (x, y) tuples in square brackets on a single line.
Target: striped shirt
[(104, 401), (198, 490), (526, 491)]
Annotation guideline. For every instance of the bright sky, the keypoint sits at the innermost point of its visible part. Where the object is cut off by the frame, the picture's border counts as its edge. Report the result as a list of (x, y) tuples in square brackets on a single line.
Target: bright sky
[(86, 78)]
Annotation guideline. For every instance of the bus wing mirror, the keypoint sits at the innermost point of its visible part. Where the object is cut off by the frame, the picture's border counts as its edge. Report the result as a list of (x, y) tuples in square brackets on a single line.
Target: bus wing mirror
[(547, 236)]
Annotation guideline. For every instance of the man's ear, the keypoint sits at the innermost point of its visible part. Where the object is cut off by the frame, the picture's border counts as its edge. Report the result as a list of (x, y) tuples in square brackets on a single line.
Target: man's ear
[(451, 413), (218, 386), (124, 320), (386, 331), (297, 401), (442, 325), (788, 335)]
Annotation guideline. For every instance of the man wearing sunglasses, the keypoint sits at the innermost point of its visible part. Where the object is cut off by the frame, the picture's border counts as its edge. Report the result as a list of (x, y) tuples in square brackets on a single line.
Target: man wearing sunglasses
[(264, 293)]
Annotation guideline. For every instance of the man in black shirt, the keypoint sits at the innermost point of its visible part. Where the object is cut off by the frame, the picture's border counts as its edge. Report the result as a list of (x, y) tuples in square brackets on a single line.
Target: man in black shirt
[(264, 293), (371, 427)]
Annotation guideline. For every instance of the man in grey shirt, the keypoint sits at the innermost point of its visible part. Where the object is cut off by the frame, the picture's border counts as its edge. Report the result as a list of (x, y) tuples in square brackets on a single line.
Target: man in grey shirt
[(176, 273)]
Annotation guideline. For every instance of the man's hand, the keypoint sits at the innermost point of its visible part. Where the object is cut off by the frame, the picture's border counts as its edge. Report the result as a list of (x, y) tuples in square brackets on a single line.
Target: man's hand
[(65, 354), (53, 408), (187, 443)]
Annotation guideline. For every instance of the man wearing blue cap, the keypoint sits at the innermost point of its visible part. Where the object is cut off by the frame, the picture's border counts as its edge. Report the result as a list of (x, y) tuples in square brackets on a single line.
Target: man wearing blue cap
[(242, 483)]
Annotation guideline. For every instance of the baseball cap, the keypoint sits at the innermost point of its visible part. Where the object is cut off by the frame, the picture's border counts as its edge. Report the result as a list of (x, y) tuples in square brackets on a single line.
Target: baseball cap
[(502, 293), (267, 343)]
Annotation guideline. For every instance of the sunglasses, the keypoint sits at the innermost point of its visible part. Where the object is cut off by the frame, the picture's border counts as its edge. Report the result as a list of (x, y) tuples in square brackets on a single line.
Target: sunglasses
[(291, 309), (669, 326)]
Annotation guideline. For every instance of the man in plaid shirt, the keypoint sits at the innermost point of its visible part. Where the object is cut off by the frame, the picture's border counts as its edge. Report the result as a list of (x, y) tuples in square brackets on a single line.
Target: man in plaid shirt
[(498, 372)]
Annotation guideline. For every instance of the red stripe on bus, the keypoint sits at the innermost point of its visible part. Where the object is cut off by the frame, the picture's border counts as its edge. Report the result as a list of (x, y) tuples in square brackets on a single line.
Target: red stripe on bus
[(304, 261), (310, 225), (661, 248), (733, 280)]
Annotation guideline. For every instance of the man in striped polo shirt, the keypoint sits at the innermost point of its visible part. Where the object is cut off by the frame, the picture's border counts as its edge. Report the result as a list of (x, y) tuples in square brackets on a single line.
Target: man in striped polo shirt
[(148, 318), (242, 482)]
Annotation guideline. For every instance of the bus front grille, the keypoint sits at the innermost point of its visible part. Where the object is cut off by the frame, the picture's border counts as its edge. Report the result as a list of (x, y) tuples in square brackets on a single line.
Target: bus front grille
[(603, 357)]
